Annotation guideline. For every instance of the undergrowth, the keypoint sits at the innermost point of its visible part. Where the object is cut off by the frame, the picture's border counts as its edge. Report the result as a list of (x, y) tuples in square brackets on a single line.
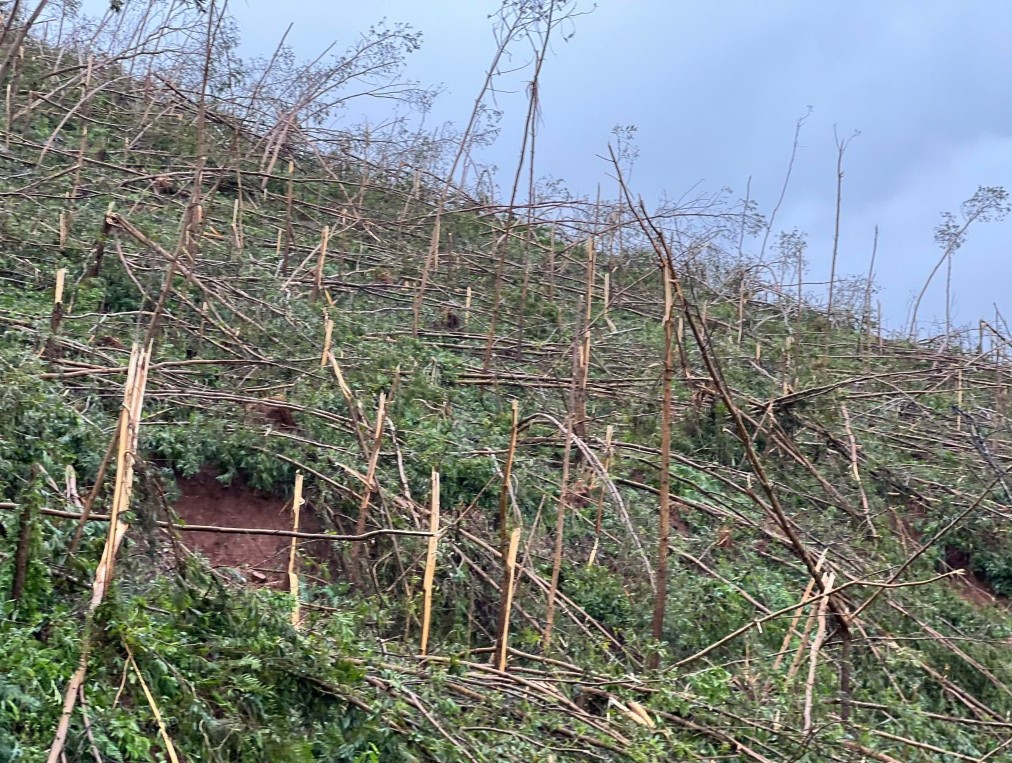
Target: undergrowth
[(234, 246)]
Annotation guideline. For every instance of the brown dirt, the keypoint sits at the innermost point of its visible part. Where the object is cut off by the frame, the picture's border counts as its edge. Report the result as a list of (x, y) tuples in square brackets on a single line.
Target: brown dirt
[(259, 559), (971, 585)]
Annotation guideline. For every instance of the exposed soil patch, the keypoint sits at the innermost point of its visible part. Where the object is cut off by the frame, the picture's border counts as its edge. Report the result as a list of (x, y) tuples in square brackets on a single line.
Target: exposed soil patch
[(259, 559), (973, 586)]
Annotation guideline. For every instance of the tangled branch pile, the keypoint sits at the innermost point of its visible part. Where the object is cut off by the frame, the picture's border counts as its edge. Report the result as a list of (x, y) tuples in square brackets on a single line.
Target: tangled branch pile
[(591, 482)]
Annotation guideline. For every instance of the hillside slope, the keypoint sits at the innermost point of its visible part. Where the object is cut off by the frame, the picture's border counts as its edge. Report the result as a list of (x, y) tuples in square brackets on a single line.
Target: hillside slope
[(190, 298)]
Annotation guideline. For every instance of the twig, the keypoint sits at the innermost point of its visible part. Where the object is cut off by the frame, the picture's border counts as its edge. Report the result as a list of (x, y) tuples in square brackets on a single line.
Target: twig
[(240, 530)]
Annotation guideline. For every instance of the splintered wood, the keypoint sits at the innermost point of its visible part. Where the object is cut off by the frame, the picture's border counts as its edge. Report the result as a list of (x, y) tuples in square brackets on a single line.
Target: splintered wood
[(502, 640), (293, 560), (430, 564), (129, 428)]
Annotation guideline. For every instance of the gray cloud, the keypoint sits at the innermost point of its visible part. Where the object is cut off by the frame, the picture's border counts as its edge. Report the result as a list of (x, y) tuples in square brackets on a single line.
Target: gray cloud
[(715, 87)]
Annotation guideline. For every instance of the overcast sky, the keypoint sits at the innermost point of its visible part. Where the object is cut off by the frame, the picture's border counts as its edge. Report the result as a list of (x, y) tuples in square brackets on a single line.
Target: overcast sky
[(715, 87)]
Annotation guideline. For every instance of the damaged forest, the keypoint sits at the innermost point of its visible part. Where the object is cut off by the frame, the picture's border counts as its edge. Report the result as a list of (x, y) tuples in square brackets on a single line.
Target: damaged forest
[(317, 446)]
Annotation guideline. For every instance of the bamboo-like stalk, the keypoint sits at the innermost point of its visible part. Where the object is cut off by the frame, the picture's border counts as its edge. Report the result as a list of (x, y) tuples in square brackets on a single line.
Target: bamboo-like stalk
[(502, 637), (8, 115), (551, 265), (792, 630), (799, 654), (504, 537), (103, 576), (606, 301), (162, 731), (522, 312), (88, 730), (22, 552), (129, 430), (222, 530), (293, 559), (813, 657), (328, 333), (57, 315), (959, 399), (560, 526), (237, 231), (789, 379), (289, 222), (321, 260), (353, 407), (881, 335), (856, 471), (741, 310), (841, 149), (430, 564), (582, 371), (801, 292), (609, 452), (664, 481), (864, 338), (504, 490), (370, 485), (995, 339), (82, 149)]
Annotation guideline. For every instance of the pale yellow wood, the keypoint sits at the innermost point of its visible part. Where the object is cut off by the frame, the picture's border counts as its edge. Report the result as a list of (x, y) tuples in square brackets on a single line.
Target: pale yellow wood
[(430, 564), (502, 648), (293, 575), (103, 574), (328, 333), (61, 277), (162, 731)]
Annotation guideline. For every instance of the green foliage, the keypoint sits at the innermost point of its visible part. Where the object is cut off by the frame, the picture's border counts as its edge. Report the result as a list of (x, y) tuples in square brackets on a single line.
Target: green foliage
[(600, 594), (237, 387), (996, 568), (40, 427)]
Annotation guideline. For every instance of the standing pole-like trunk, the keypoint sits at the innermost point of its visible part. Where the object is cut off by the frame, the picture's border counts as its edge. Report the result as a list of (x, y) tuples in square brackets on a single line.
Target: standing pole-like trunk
[(948, 302), (560, 521), (866, 308), (430, 563), (504, 490), (370, 488), (664, 482), (506, 540), (582, 370), (840, 148)]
